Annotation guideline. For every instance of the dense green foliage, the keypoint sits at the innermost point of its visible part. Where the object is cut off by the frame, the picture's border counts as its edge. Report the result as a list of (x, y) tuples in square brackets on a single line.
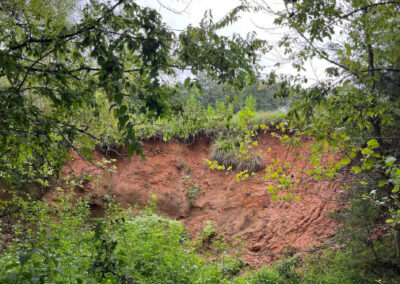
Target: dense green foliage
[(347, 266), (63, 244), (50, 69), (146, 248)]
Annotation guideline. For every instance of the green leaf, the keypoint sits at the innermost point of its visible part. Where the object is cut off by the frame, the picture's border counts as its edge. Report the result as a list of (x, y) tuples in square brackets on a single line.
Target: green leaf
[(373, 143), (135, 147), (345, 137), (390, 160), (382, 183), (356, 169), (368, 164), (131, 149), (345, 161)]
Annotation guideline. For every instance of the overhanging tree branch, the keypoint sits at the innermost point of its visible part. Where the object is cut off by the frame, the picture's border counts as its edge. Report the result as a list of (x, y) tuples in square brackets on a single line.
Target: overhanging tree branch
[(66, 36), (364, 8)]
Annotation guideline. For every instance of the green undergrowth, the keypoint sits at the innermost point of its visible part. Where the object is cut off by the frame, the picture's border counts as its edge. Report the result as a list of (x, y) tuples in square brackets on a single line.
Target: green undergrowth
[(346, 266), (59, 242), (196, 119)]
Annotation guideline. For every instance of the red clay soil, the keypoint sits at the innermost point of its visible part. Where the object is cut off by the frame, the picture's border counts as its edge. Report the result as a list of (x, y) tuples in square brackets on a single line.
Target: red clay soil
[(238, 210)]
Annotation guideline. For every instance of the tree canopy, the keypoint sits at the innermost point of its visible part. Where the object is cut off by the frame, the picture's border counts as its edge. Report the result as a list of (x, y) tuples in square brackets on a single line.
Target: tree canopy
[(357, 107), (50, 67), (359, 39)]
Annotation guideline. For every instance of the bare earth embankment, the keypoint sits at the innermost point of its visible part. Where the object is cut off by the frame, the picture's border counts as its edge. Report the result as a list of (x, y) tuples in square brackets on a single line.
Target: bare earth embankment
[(238, 210)]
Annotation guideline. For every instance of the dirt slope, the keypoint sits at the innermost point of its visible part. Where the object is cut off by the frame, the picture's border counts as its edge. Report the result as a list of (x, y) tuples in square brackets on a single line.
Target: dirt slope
[(238, 210)]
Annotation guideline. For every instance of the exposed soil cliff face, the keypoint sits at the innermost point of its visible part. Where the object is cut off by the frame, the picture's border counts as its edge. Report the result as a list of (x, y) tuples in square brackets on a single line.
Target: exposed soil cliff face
[(238, 210)]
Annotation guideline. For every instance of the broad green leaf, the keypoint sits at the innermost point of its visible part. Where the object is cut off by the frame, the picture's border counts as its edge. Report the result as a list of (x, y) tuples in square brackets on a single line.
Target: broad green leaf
[(382, 183), (373, 143), (345, 161), (390, 160), (368, 164)]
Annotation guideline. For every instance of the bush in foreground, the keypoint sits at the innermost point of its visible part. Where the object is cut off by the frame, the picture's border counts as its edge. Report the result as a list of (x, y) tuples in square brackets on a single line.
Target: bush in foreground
[(60, 243)]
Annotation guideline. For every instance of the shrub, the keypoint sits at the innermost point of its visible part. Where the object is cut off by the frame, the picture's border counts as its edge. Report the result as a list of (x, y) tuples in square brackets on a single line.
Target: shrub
[(352, 264), (226, 158), (192, 192), (253, 164), (62, 244), (208, 232), (228, 152), (287, 269)]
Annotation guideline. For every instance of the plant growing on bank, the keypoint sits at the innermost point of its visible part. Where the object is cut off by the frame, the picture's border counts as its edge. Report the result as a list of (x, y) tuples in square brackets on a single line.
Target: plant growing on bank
[(192, 192), (235, 149), (208, 232)]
